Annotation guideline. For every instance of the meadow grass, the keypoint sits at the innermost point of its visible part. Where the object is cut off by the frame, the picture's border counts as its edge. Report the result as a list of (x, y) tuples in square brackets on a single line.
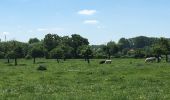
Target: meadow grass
[(124, 79)]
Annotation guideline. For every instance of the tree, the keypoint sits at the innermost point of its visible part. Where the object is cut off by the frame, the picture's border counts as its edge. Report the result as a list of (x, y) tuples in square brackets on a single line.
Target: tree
[(67, 50), (110, 49), (165, 46), (33, 40), (149, 52), (98, 51), (86, 52), (2, 54), (17, 50), (25, 48), (6, 47), (51, 41), (139, 53), (14, 51), (66, 40), (57, 53), (37, 52), (142, 41), (76, 42), (162, 48), (17, 53), (158, 51), (10, 55), (123, 43)]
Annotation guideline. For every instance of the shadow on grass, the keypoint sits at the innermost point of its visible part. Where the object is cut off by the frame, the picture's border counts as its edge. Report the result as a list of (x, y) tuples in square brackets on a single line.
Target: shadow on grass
[(8, 63), (22, 64)]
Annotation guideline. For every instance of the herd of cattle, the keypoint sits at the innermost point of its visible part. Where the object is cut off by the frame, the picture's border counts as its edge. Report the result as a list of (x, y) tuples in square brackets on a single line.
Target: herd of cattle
[(149, 59)]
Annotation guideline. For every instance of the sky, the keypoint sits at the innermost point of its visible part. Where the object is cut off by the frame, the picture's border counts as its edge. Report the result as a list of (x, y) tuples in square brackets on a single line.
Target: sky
[(100, 21)]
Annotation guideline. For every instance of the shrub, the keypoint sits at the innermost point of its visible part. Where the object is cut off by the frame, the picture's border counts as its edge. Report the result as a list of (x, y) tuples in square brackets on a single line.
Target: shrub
[(28, 57), (42, 67), (2, 55)]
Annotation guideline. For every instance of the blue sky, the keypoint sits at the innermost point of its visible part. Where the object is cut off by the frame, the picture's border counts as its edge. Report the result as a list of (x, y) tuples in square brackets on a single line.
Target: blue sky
[(98, 20)]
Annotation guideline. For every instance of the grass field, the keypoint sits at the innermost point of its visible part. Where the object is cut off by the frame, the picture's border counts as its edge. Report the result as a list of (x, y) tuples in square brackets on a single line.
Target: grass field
[(124, 79)]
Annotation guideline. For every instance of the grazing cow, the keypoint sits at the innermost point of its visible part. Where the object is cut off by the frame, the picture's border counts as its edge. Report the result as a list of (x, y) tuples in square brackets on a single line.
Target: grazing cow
[(101, 62), (150, 59), (108, 61)]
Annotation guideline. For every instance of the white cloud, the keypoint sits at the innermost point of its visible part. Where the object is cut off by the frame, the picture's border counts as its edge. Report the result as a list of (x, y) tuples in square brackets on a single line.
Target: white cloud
[(87, 12), (91, 22)]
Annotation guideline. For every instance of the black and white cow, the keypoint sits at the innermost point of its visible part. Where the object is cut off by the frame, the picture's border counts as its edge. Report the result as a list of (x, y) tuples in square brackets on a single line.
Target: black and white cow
[(150, 59), (108, 61), (105, 62)]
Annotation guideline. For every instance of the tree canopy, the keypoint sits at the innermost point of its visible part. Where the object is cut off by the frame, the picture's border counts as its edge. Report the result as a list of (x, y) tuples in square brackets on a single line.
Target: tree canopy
[(76, 46)]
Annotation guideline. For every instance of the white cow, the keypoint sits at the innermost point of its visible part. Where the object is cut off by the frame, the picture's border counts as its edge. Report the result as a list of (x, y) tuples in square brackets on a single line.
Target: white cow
[(150, 59), (108, 61)]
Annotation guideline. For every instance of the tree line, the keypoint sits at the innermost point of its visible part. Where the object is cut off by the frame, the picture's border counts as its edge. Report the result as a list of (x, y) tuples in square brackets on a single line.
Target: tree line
[(138, 47), (58, 47)]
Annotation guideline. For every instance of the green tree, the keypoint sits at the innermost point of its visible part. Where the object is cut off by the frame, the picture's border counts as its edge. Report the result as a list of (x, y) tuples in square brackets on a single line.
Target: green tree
[(165, 46), (148, 50), (66, 40), (158, 51), (98, 51), (51, 41), (2, 55), (142, 41), (110, 49), (67, 51), (86, 52), (139, 53), (33, 40), (57, 53), (18, 51), (36, 52), (76, 42), (10, 55), (123, 43)]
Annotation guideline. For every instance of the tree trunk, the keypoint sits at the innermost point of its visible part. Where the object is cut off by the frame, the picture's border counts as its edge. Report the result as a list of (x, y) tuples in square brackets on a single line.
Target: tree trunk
[(109, 56), (166, 58), (57, 60), (158, 60), (8, 60), (16, 62), (34, 60), (88, 60), (64, 59)]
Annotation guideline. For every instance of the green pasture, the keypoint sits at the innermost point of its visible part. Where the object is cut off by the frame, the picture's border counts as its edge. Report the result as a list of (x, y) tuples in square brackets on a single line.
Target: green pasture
[(124, 79)]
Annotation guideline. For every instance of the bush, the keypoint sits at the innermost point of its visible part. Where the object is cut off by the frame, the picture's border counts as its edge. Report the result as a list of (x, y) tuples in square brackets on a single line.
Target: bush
[(42, 67), (127, 56), (2, 55), (139, 55), (100, 56), (117, 56), (28, 57)]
